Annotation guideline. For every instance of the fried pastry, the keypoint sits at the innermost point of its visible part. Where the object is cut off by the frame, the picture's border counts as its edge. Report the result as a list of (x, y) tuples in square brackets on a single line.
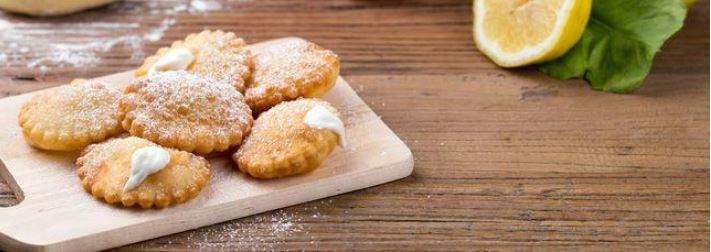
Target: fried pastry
[(105, 169), (185, 111), (211, 54), (291, 138), (71, 117), (288, 71)]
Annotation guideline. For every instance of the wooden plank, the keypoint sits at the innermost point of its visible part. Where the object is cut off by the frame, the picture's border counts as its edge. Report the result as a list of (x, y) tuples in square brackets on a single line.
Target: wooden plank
[(55, 214), (596, 172)]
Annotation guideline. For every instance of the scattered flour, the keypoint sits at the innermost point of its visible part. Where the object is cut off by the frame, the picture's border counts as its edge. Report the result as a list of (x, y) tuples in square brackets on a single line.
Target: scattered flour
[(202, 6), (31, 45), (262, 232), (157, 33), (247, 234)]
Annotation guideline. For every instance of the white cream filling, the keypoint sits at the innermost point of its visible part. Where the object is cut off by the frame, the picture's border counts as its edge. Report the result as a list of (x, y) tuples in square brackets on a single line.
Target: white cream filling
[(320, 117), (175, 60), (144, 162)]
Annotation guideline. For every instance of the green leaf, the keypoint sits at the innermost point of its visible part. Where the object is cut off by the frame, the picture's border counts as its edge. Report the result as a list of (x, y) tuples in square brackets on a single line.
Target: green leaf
[(618, 46)]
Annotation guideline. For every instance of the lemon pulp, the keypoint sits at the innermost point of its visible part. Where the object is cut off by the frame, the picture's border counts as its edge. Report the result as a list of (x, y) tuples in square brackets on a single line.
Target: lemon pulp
[(520, 32)]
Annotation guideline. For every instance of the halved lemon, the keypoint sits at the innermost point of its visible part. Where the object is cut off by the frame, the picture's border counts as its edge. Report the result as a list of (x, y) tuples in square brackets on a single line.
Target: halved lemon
[(516, 33)]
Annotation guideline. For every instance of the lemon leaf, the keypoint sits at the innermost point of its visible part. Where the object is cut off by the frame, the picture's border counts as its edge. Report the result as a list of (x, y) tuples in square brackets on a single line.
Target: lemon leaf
[(618, 46)]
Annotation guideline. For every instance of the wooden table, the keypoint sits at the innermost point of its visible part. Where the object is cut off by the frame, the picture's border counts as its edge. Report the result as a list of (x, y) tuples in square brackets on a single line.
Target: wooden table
[(505, 159)]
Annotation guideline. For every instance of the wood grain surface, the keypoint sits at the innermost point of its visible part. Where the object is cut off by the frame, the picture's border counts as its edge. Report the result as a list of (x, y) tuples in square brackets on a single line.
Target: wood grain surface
[(504, 159)]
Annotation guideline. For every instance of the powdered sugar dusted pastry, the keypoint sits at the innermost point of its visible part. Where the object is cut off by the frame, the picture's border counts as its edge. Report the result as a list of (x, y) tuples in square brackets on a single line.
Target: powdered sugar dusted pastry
[(71, 117), (291, 138), (291, 70), (134, 171), (185, 111), (212, 54)]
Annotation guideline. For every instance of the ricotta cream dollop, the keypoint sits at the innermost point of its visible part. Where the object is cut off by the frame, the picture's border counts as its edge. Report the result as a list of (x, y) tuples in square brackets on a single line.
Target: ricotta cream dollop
[(175, 60), (320, 117), (144, 162)]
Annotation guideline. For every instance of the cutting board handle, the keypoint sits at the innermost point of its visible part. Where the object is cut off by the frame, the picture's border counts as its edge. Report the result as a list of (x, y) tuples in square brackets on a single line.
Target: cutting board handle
[(10, 181), (25, 169)]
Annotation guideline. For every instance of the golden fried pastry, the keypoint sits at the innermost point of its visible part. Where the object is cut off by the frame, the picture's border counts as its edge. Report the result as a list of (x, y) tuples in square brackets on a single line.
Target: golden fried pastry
[(288, 71), (71, 117), (291, 138), (185, 111), (105, 169), (211, 54)]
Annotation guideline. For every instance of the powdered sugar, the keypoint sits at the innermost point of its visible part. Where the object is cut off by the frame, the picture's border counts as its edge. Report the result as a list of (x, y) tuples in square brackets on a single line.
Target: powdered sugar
[(264, 232), (290, 70), (185, 111), (82, 105), (258, 233), (72, 116), (218, 55)]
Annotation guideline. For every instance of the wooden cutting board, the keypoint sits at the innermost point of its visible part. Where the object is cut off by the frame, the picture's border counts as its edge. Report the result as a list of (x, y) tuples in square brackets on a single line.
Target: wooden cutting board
[(56, 214)]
